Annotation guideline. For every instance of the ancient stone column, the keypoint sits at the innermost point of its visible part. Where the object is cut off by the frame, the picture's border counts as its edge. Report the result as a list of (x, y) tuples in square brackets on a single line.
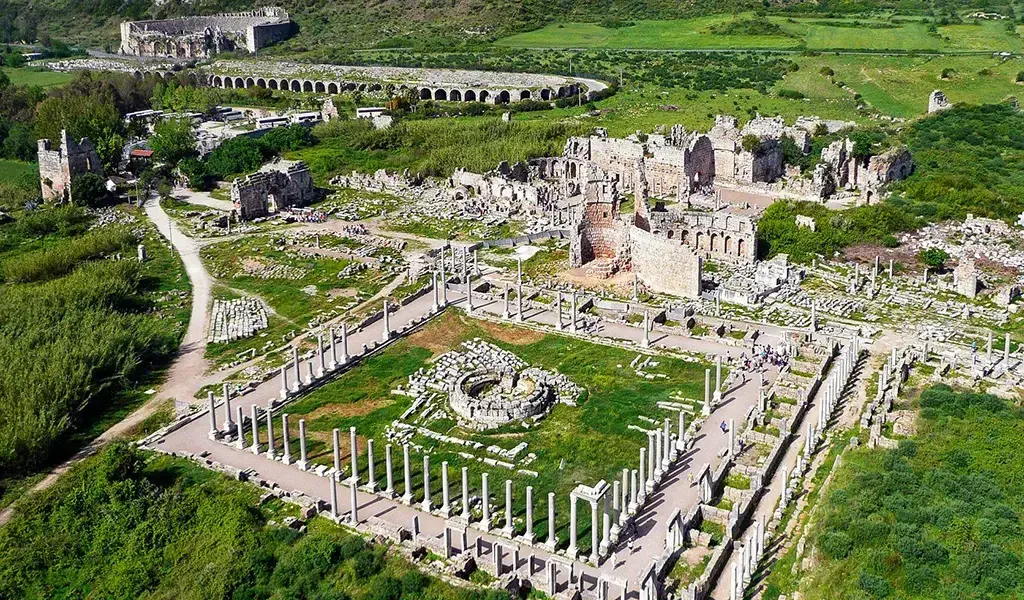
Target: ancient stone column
[(213, 415), (667, 445), (552, 540), (643, 476), (336, 438), (240, 425), (334, 351), (606, 524), (594, 543), (322, 367), (465, 494), (509, 528), (334, 498), (573, 315), (718, 379), (558, 310), (255, 425), (444, 283), (284, 382), (228, 414), (446, 507), (302, 444), (529, 515), (270, 435), (435, 292), (427, 505), (1006, 353), (344, 343), (573, 550), (519, 303), (389, 472), (706, 409), (681, 443), (353, 446), (634, 487), (298, 369), (655, 457), (407, 497), (386, 335), (734, 582), (353, 498), (310, 377), (286, 458), (485, 522), (371, 477)]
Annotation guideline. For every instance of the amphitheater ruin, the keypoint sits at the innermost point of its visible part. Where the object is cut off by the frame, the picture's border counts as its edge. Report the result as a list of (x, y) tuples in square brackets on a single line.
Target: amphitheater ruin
[(196, 37)]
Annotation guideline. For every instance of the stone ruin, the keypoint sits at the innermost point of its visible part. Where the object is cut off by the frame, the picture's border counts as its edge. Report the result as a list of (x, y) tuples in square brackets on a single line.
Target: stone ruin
[(488, 387), (277, 185), (840, 169), (937, 102), (58, 166), (237, 319), (202, 36)]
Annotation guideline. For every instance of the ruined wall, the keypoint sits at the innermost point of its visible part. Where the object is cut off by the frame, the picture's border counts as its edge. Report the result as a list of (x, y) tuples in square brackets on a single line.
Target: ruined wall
[(663, 265), (202, 36), (59, 164), (278, 185), (718, 235)]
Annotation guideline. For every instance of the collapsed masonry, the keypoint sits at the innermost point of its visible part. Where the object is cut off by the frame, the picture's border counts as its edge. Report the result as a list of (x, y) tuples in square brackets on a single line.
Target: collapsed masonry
[(202, 36), (277, 185), (58, 166)]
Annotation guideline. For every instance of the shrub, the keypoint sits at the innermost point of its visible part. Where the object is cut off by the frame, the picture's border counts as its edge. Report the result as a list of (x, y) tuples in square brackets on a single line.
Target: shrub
[(791, 94), (750, 142), (933, 257), (891, 241), (835, 544), (88, 189)]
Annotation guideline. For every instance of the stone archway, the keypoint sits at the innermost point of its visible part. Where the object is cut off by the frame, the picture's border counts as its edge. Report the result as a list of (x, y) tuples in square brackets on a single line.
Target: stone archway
[(440, 94), (425, 94), (728, 244), (714, 242), (250, 82), (261, 83), (217, 81), (484, 95), (296, 85), (239, 82), (525, 95), (332, 88), (273, 84), (503, 97), (470, 96), (455, 96), (229, 83), (319, 87), (307, 86), (545, 94), (741, 247)]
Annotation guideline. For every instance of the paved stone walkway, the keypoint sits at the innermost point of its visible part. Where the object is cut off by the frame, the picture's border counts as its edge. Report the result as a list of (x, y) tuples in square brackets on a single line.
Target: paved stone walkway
[(676, 492)]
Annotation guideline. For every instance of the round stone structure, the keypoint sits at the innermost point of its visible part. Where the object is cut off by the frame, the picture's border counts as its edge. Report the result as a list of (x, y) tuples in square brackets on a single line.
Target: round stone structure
[(488, 398)]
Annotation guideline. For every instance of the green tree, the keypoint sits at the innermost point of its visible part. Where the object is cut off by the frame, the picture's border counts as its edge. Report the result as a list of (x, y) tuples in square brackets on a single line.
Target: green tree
[(751, 142), (173, 140), (88, 189), (93, 116), (933, 257)]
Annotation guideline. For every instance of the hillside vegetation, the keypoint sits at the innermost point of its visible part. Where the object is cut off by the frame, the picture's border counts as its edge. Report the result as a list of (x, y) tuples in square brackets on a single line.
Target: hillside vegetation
[(938, 518), (127, 525)]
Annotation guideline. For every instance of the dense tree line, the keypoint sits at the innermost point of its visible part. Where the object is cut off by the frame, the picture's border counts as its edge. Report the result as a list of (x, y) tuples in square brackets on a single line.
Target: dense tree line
[(937, 518), (77, 329), (118, 527)]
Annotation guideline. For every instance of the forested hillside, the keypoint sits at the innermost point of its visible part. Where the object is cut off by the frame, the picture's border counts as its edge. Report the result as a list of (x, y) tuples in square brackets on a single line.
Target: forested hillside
[(439, 24)]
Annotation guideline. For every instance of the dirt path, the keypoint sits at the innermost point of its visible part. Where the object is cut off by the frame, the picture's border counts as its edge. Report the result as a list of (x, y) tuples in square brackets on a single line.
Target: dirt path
[(188, 365)]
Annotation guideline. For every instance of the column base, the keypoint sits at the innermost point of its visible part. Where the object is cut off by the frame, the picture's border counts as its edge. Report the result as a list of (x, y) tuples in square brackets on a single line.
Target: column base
[(302, 464), (445, 511), (284, 394), (332, 366), (296, 388), (426, 507), (310, 381), (271, 455), (507, 532), (407, 499), (255, 449), (549, 545), (286, 459), (320, 372), (529, 538)]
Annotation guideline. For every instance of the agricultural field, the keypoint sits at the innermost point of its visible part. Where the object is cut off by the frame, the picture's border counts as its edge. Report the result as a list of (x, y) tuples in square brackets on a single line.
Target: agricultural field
[(746, 31), (580, 444), (35, 76)]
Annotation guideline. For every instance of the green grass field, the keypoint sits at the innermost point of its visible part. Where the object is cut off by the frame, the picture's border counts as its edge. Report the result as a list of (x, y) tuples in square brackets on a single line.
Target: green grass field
[(35, 76), (812, 33), (593, 438), (15, 170)]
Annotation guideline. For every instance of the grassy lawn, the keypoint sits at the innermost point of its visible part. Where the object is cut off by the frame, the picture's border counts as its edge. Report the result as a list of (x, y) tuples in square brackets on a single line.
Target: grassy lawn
[(15, 170), (653, 35), (812, 33), (581, 444), (36, 76), (300, 288)]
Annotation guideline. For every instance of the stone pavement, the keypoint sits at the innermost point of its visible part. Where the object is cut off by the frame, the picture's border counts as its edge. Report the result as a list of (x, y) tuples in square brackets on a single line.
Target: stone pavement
[(676, 492)]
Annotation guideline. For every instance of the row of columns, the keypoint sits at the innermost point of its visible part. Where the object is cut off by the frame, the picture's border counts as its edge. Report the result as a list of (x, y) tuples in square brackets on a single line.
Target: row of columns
[(745, 560)]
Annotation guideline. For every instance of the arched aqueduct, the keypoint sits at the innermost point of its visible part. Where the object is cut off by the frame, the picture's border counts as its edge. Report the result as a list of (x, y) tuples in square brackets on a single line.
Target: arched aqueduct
[(490, 95)]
